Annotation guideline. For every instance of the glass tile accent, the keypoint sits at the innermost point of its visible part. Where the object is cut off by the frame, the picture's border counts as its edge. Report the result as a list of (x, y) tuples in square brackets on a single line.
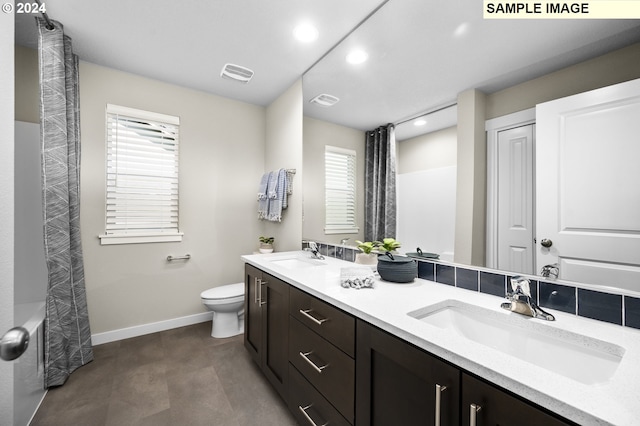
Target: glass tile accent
[(601, 306), (558, 296), (331, 250), (426, 270), (467, 279), (445, 274), (350, 255), (631, 311), (491, 283)]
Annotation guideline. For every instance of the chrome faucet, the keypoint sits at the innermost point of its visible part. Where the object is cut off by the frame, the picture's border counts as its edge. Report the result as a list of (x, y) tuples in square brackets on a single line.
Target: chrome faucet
[(520, 300), (550, 271), (313, 248)]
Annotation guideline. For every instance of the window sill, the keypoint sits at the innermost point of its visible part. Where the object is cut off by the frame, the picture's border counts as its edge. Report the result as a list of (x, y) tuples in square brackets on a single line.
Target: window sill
[(139, 239), (330, 231)]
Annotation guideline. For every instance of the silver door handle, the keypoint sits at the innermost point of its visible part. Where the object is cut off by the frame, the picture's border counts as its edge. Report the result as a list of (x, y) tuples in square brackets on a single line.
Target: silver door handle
[(305, 356), (255, 290), (309, 419), (14, 343), (473, 414), (305, 312), (439, 390)]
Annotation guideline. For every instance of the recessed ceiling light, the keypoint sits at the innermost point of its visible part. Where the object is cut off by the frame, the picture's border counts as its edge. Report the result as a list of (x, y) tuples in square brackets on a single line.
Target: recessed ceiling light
[(305, 32), (357, 57), (420, 122)]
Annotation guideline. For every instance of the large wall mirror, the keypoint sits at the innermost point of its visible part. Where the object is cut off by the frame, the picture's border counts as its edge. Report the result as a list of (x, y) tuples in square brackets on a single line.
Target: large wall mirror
[(420, 57)]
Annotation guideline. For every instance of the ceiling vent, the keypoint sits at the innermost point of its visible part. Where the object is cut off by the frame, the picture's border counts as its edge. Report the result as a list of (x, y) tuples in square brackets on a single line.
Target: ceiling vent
[(324, 100), (237, 73)]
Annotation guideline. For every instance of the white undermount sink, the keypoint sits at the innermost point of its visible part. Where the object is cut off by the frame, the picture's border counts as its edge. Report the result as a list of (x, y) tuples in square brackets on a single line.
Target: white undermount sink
[(297, 262), (578, 357)]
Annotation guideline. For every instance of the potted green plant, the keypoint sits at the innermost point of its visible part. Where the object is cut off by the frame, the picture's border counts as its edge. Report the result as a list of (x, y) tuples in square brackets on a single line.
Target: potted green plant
[(388, 245), (266, 244), (369, 256)]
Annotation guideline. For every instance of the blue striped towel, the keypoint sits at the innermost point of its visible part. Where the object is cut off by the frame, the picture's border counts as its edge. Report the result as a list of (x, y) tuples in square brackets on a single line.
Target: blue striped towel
[(279, 202), (263, 202)]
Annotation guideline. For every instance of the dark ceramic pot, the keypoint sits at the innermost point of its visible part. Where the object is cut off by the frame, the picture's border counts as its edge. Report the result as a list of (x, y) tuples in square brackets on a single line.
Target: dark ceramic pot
[(397, 269)]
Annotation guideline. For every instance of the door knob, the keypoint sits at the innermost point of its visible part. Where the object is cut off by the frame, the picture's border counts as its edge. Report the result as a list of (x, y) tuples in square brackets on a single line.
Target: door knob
[(14, 343), (546, 243)]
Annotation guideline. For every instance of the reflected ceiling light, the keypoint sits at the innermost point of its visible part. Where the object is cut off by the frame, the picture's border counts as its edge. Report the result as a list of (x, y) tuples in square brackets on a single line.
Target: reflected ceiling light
[(420, 122), (305, 33), (357, 56), (461, 30)]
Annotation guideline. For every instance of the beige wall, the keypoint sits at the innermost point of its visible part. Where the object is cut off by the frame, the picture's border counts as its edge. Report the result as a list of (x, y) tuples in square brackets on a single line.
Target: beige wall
[(284, 150), (222, 156), (429, 151), (615, 67), (317, 135)]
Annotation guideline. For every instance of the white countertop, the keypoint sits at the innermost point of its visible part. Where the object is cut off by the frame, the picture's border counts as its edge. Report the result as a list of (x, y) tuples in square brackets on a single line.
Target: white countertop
[(614, 402)]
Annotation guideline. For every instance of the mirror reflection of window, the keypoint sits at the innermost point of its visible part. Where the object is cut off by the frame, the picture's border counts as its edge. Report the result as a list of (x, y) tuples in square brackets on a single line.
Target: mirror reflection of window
[(340, 190)]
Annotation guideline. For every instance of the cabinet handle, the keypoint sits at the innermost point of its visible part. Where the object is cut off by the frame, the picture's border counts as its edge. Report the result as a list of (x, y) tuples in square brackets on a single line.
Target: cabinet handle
[(473, 414), (305, 312), (305, 356), (255, 290), (309, 419), (439, 390), (262, 302)]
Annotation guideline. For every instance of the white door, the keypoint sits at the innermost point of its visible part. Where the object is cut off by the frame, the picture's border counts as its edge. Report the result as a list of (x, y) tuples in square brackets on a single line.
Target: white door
[(515, 199), (588, 186)]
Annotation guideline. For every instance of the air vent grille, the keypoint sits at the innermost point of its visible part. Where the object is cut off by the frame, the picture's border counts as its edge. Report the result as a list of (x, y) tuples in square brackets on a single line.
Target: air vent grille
[(324, 100), (237, 73)]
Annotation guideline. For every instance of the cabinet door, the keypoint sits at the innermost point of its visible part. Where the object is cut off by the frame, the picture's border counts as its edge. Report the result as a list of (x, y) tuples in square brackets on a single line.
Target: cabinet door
[(253, 313), (399, 384), (275, 331), (493, 406)]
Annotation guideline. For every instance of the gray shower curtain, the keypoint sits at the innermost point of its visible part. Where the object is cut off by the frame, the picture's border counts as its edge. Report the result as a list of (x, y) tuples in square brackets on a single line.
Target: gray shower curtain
[(380, 184), (67, 343)]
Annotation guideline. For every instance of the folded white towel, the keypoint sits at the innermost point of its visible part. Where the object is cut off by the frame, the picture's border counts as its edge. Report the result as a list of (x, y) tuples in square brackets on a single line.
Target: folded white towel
[(356, 277)]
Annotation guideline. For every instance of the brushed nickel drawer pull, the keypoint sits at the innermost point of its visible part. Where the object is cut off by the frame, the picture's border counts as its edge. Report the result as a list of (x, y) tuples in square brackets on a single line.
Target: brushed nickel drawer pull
[(305, 356), (262, 301), (309, 419), (305, 312), (439, 390), (473, 414), (255, 290)]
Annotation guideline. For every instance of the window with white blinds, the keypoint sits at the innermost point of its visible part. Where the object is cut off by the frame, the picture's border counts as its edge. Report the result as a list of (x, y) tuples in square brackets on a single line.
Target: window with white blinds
[(142, 177), (340, 190)]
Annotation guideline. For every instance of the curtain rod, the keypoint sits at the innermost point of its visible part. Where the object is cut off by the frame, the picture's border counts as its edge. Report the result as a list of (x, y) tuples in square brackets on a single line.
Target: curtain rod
[(50, 25), (424, 114)]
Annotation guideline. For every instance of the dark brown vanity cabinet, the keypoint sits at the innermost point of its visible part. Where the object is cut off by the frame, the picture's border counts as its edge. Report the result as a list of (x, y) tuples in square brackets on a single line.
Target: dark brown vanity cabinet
[(266, 329), (485, 404), (332, 368), (322, 365), (399, 384)]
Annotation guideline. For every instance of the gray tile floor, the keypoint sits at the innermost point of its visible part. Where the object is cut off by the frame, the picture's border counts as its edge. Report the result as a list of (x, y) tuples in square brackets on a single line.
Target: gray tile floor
[(176, 377)]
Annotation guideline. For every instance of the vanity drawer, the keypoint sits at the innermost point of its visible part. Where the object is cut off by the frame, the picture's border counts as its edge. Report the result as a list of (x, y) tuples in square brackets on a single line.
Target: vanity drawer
[(308, 406), (326, 367), (331, 323)]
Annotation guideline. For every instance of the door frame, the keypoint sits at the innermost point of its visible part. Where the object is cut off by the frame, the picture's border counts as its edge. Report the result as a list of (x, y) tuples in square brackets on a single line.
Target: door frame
[(492, 128)]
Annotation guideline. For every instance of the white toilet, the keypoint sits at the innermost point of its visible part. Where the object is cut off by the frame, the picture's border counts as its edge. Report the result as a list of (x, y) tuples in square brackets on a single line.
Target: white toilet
[(227, 304)]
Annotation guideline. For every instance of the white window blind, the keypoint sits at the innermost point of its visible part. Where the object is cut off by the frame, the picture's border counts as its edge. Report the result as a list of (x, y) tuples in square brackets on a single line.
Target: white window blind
[(340, 190), (142, 177)]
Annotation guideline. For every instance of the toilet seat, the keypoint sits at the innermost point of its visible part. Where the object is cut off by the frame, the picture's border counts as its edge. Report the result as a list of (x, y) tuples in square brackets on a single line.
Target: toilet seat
[(229, 291)]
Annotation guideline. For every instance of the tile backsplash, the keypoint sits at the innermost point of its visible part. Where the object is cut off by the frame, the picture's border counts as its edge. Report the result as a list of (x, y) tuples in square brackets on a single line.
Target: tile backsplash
[(609, 307)]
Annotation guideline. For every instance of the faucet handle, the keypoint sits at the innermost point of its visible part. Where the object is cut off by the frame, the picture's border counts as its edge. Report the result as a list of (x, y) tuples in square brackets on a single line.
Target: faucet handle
[(313, 246), (520, 286)]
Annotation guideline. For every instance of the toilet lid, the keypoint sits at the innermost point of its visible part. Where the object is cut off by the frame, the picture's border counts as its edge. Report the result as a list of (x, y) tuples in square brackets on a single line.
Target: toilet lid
[(224, 291)]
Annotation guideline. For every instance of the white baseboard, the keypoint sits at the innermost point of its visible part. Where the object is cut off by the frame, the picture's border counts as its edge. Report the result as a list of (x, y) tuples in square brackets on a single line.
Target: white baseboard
[(154, 327)]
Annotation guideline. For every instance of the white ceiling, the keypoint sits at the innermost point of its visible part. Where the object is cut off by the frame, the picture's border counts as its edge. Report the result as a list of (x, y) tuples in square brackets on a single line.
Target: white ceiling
[(416, 63)]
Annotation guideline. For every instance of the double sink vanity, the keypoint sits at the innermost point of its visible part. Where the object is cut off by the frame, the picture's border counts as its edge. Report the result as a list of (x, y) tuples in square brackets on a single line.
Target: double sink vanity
[(428, 353)]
